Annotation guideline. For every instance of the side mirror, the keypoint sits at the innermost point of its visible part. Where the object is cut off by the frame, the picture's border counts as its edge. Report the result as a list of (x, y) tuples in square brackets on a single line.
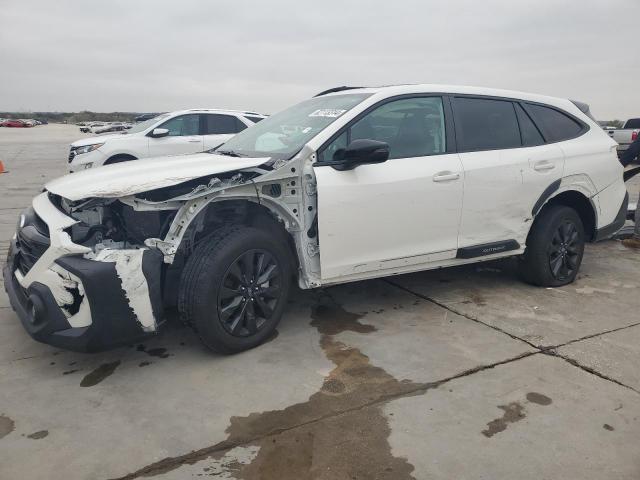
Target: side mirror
[(159, 132), (361, 151)]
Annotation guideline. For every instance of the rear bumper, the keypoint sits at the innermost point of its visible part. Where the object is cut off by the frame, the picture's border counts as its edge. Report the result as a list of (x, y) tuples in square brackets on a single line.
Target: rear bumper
[(112, 321)]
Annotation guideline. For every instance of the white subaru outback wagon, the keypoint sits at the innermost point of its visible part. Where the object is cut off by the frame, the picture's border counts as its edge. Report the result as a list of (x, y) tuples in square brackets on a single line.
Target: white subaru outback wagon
[(175, 133), (349, 185)]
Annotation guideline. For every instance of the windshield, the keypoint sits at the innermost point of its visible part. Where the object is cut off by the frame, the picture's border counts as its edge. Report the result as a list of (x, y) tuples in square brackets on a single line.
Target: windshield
[(285, 133), (139, 127)]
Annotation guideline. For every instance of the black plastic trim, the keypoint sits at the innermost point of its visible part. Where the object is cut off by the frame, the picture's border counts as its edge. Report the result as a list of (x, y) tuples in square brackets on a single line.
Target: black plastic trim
[(553, 187), (610, 230), (335, 90), (487, 249)]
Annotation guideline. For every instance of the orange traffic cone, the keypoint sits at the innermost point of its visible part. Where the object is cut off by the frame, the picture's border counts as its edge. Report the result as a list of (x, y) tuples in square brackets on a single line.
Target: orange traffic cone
[(2, 170)]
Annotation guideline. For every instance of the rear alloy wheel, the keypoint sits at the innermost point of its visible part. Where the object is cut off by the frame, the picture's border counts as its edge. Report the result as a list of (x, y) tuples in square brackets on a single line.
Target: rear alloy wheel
[(554, 248), (234, 288), (564, 251)]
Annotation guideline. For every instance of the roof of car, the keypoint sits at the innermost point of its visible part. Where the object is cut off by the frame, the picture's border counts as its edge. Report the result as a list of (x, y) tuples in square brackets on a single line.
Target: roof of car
[(437, 88), (218, 110)]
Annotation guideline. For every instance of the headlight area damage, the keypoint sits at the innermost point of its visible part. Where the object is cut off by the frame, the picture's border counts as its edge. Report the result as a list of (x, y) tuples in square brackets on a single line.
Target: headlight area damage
[(91, 273)]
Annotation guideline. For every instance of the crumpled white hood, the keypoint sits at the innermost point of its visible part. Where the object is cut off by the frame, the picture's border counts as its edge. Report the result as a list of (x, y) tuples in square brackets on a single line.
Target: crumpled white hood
[(129, 178)]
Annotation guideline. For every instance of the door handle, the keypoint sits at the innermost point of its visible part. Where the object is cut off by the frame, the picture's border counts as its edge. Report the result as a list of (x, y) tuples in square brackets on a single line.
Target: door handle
[(446, 176), (543, 165), (194, 140)]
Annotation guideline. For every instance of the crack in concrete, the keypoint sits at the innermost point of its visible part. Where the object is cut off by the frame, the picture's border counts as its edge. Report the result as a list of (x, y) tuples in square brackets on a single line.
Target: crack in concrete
[(349, 362), (547, 350), (462, 314), (575, 363), (594, 335)]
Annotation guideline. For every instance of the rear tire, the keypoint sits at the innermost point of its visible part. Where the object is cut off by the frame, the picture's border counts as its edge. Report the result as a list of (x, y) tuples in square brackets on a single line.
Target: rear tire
[(234, 288), (555, 247)]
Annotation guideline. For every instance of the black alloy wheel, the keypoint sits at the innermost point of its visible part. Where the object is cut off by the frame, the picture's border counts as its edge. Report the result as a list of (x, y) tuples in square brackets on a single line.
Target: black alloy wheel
[(249, 293), (564, 251)]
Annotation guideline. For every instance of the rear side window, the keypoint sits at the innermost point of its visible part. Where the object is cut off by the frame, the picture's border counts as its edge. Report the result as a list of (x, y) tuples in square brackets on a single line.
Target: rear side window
[(530, 134), (484, 124), (216, 124), (555, 125), (253, 119)]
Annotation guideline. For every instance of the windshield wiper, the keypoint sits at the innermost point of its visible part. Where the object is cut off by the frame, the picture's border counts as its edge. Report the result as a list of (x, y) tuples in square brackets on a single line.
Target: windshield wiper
[(229, 153)]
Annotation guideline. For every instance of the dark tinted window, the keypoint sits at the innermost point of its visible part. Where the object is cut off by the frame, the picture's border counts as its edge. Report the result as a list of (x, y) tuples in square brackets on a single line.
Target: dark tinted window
[(530, 134), (632, 123), (486, 124), (182, 125), (222, 124), (555, 125), (253, 119), (413, 127)]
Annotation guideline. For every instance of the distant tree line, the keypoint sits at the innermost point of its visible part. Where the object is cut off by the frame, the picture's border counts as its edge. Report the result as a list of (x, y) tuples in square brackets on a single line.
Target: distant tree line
[(74, 117), (611, 123)]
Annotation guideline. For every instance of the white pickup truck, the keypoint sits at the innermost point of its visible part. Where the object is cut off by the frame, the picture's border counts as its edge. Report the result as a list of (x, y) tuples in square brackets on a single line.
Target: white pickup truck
[(626, 135)]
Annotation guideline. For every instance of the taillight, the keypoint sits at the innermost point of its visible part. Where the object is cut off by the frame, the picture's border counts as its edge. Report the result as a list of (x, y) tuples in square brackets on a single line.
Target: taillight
[(634, 135)]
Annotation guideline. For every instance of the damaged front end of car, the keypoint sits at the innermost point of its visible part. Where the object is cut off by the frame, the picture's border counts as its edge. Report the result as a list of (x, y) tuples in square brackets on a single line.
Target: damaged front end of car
[(94, 272)]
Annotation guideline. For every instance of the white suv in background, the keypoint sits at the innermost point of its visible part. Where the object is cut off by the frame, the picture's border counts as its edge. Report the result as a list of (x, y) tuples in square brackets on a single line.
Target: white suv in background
[(184, 131)]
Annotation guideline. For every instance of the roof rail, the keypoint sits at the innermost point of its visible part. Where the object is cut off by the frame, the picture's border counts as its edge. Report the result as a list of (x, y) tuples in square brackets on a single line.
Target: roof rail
[(335, 89)]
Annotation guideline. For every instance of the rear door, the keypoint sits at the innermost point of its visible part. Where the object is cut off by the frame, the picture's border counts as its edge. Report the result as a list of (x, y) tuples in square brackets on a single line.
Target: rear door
[(391, 215), (184, 137), (218, 128), (507, 168)]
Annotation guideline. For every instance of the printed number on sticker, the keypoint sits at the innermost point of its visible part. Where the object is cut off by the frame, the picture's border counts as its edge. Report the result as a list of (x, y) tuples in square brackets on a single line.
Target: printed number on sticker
[(327, 112)]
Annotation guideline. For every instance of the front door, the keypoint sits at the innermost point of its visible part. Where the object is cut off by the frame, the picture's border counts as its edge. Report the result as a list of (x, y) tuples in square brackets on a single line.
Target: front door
[(184, 137), (392, 215)]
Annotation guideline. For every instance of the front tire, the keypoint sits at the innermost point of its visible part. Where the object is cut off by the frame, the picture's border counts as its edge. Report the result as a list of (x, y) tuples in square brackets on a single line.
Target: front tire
[(554, 248), (234, 288)]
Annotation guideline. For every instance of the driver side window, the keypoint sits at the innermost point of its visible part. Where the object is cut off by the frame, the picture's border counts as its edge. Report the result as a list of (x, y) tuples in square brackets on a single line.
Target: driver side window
[(412, 127), (183, 125)]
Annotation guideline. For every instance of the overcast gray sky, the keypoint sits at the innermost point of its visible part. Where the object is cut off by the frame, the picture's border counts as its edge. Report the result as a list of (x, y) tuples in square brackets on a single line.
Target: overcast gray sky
[(143, 55)]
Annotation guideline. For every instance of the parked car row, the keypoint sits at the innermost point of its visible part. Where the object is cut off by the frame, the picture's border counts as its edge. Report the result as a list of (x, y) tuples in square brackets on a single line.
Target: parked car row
[(104, 127), (21, 123), (352, 184)]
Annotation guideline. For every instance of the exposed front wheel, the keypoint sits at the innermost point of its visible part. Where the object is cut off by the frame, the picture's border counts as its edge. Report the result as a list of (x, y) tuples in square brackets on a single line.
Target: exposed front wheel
[(234, 288), (554, 248)]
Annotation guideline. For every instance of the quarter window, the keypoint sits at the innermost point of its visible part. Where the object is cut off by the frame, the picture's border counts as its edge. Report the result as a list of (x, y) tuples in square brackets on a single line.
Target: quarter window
[(216, 124), (530, 134), (555, 125), (484, 124), (412, 127), (182, 125), (253, 119)]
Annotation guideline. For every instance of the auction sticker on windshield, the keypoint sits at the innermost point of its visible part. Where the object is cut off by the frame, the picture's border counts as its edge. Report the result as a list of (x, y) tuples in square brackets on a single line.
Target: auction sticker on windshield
[(327, 112)]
